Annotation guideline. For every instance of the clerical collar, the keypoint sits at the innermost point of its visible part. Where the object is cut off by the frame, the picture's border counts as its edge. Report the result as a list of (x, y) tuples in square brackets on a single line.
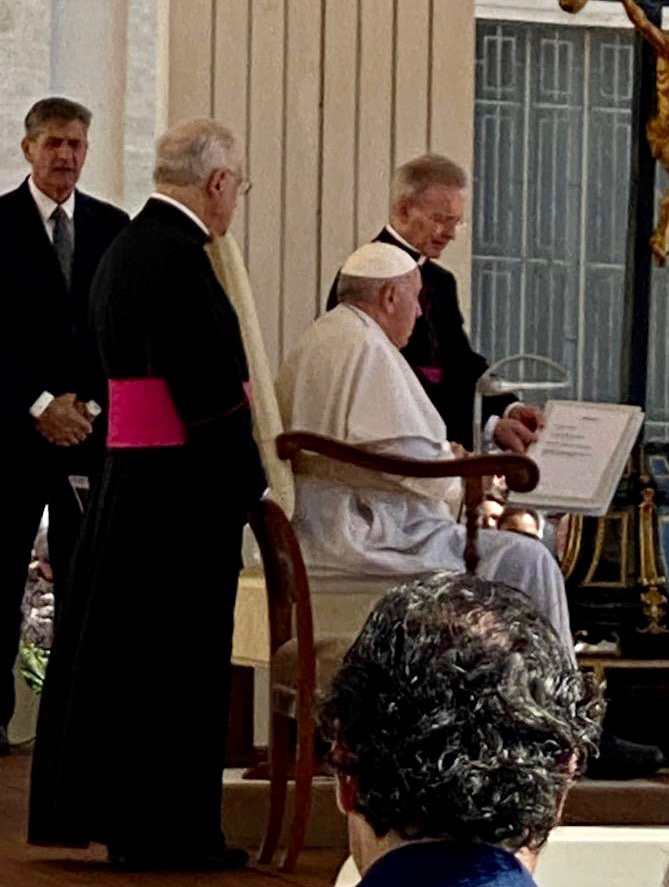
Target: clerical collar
[(184, 209), (393, 233), (46, 205)]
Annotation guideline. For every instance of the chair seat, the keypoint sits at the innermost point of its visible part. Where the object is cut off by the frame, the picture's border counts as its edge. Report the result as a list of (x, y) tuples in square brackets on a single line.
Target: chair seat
[(330, 649)]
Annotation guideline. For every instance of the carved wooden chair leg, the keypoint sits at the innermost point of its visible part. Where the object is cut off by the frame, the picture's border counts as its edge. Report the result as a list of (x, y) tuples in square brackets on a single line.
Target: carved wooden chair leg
[(280, 757), (304, 771)]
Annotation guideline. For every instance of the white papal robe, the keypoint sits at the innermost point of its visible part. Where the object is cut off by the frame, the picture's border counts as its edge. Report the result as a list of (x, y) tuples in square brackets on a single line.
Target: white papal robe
[(345, 379)]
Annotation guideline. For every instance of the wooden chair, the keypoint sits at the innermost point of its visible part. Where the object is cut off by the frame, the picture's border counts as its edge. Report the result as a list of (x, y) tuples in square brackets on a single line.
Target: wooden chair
[(301, 663)]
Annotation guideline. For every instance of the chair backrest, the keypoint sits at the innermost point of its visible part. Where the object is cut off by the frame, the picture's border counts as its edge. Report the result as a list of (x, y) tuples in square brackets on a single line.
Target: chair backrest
[(288, 595), (285, 572)]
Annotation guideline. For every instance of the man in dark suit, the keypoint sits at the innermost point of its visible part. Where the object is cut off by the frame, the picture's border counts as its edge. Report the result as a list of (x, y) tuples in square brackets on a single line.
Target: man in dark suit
[(51, 388), (458, 722), (180, 471), (427, 206)]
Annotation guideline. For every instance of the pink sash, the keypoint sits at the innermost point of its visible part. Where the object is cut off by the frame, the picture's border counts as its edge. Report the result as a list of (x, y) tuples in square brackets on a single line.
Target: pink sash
[(142, 414), (432, 374)]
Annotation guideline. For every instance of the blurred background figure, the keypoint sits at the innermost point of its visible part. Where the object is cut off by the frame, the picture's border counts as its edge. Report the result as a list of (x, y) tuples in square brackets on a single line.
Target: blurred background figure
[(521, 520), (491, 510)]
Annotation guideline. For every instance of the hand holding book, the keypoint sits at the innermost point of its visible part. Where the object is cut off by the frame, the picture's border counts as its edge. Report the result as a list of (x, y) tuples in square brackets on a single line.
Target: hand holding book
[(581, 453)]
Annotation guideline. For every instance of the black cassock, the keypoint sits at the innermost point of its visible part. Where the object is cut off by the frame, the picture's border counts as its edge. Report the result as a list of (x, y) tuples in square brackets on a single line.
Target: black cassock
[(132, 726), (440, 353)]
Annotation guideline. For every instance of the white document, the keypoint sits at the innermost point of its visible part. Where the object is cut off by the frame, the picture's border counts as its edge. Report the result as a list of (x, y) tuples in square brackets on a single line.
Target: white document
[(581, 454)]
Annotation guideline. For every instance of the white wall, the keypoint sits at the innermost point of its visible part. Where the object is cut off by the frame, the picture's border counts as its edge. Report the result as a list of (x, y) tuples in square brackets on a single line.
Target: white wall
[(329, 95), (108, 54), (25, 63)]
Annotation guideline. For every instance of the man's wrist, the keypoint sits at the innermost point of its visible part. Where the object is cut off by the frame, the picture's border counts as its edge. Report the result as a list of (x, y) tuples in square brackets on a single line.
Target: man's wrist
[(41, 404)]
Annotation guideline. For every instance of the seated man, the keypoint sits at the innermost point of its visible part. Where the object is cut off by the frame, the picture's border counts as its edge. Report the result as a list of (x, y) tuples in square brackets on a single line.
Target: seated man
[(347, 379), (457, 722)]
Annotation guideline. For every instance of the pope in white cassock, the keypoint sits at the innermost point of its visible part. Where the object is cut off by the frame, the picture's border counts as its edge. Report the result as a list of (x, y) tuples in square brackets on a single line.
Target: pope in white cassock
[(347, 379)]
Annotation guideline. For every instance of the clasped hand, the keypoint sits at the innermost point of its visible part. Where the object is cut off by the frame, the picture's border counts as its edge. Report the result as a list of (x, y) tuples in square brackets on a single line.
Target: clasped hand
[(64, 422), (518, 429)]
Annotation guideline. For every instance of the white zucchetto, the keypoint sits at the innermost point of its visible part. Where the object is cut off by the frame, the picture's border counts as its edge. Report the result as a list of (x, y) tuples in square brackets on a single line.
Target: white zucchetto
[(378, 260)]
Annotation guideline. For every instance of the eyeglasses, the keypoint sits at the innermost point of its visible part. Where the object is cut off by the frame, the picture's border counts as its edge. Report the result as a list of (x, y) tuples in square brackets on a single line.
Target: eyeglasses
[(447, 222), (244, 185)]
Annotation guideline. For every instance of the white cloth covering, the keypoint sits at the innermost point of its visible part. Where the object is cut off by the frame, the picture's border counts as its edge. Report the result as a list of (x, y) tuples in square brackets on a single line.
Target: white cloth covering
[(345, 379), (231, 271)]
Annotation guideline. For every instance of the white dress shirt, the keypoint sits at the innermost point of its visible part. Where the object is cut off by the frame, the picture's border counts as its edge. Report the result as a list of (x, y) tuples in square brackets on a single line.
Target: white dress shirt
[(46, 206)]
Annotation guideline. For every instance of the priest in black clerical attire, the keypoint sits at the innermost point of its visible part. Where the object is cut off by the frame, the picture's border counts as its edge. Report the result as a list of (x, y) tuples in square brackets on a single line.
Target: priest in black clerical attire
[(427, 205), (132, 727)]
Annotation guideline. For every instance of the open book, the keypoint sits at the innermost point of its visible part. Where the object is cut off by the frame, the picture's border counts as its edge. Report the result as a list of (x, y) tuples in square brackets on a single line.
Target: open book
[(581, 454)]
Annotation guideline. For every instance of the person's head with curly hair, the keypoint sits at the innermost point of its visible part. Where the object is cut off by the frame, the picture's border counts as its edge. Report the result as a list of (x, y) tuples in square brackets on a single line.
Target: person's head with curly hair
[(457, 714)]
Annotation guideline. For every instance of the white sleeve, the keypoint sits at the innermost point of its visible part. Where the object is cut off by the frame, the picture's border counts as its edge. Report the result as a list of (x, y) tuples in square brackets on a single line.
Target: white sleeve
[(41, 404)]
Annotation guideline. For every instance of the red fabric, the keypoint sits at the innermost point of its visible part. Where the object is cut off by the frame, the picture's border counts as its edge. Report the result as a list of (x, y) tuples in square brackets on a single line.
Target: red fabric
[(142, 414), (432, 374)]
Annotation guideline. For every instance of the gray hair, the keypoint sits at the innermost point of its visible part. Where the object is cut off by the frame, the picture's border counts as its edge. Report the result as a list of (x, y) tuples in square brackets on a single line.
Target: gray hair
[(358, 289), (54, 108), (412, 178), (460, 714), (188, 153)]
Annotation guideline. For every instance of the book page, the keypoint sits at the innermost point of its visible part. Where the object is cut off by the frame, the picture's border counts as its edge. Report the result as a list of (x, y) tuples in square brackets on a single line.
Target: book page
[(575, 448), (581, 454)]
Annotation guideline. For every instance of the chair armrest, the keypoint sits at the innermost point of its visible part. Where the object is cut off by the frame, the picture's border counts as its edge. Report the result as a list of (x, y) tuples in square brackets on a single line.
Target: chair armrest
[(522, 474)]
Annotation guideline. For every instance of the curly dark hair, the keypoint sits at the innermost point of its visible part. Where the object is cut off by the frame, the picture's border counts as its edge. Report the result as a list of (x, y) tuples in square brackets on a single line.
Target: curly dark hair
[(459, 714)]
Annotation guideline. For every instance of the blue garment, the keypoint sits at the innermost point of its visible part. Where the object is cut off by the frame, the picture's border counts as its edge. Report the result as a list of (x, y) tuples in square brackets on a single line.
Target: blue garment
[(447, 864)]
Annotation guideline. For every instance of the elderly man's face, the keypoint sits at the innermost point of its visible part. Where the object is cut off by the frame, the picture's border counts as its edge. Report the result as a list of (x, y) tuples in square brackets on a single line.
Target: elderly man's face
[(57, 156), (405, 308), (430, 221)]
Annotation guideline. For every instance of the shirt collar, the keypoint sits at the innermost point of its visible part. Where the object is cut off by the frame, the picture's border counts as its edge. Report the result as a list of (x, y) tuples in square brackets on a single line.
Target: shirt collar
[(184, 209), (393, 233), (46, 205)]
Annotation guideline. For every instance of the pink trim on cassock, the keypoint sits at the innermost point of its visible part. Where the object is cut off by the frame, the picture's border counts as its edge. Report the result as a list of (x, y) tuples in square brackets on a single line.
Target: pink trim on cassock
[(432, 374), (142, 414)]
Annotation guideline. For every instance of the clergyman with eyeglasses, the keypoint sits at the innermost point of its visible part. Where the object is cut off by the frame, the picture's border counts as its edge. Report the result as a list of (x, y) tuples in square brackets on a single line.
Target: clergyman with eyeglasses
[(143, 655), (428, 197)]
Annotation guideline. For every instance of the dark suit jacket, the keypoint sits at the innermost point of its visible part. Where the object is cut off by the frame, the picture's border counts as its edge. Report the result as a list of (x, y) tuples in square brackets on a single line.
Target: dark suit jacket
[(439, 342), (447, 864), (45, 339)]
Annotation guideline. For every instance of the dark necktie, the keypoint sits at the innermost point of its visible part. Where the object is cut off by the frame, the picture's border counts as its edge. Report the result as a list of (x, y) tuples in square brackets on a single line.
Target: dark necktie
[(62, 243)]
